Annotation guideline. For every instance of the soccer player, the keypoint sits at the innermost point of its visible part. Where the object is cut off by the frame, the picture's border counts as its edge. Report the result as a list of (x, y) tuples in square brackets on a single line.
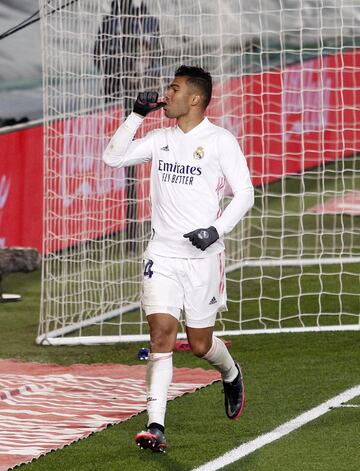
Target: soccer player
[(184, 260)]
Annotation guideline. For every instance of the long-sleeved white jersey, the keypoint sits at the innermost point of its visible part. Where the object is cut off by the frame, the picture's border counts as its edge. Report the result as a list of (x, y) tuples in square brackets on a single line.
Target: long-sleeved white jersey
[(188, 177)]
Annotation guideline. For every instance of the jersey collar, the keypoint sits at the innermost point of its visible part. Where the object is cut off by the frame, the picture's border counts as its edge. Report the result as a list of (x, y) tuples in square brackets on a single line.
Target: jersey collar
[(203, 124)]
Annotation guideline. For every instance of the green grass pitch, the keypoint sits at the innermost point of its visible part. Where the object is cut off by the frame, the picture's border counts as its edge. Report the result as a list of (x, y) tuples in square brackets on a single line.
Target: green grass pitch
[(285, 375)]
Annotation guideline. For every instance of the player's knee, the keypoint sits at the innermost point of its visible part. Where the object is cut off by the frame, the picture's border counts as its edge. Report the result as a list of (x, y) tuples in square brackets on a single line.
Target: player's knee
[(200, 349), (162, 340)]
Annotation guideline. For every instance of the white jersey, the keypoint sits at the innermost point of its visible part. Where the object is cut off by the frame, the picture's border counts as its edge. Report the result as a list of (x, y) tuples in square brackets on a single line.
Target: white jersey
[(188, 176)]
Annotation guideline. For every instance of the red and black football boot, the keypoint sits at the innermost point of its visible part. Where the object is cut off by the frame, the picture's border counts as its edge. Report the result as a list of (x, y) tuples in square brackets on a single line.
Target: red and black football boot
[(234, 396), (151, 438)]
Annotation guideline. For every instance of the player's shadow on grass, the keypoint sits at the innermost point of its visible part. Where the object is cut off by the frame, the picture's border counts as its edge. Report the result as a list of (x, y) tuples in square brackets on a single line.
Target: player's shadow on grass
[(164, 462)]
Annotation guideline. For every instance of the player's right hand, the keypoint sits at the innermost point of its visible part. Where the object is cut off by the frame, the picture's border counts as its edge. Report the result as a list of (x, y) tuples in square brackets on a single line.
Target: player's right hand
[(147, 102)]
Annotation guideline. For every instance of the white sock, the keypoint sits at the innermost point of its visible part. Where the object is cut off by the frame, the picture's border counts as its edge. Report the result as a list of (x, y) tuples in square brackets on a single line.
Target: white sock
[(158, 378), (219, 357)]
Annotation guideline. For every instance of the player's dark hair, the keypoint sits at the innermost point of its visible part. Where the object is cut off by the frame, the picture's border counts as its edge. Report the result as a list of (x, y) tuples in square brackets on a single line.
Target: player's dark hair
[(199, 78)]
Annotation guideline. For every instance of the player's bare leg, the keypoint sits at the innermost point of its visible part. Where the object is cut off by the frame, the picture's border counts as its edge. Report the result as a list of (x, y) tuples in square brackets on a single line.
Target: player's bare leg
[(163, 330), (205, 345)]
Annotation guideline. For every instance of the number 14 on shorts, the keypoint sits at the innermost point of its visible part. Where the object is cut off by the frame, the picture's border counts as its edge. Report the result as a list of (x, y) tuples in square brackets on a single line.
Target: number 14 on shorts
[(147, 270)]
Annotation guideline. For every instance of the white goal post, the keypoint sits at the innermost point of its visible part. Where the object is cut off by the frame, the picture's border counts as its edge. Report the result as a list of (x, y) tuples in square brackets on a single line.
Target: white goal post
[(286, 84)]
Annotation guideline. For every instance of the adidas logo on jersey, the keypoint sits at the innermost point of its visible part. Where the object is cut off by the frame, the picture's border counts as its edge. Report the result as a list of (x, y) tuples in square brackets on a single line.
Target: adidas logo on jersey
[(165, 148), (213, 300)]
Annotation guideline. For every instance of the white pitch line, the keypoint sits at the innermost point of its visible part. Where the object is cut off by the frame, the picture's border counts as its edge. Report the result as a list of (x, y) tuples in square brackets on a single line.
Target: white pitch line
[(279, 432), (348, 405)]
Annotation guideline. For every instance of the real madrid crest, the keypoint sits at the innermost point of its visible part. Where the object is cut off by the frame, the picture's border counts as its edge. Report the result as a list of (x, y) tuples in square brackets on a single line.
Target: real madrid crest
[(199, 153)]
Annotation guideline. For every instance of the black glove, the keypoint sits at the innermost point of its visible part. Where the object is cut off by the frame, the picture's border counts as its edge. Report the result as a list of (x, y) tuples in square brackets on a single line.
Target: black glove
[(146, 102), (202, 238)]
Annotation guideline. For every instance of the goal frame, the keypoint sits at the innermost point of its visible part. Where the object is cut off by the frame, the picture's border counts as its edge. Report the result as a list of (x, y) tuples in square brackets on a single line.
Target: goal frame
[(217, 52)]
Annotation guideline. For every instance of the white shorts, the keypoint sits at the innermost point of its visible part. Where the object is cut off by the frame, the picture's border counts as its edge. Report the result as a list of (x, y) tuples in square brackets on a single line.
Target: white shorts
[(193, 285)]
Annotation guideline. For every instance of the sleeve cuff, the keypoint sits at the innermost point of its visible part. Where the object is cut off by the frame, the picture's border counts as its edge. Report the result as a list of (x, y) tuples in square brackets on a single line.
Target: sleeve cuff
[(134, 120), (219, 229)]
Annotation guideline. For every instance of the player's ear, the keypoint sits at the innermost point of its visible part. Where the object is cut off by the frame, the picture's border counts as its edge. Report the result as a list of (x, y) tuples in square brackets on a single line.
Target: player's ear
[(196, 100)]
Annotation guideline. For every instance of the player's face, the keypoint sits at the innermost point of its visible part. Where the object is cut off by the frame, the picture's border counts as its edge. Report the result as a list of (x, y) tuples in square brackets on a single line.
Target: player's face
[(179, 98)]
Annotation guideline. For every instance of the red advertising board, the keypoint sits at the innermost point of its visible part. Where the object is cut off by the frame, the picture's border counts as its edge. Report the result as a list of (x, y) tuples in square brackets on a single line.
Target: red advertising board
[(21, 187), (84, 198), (286, 120), (296, 118)]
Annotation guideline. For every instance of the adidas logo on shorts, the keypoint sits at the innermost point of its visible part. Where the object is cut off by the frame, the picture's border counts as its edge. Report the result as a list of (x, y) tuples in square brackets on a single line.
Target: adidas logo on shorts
[(213, 300), (165, 148)]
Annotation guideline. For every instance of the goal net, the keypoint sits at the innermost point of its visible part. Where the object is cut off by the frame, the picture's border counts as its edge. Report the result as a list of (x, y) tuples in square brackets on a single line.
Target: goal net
[(286, 84)]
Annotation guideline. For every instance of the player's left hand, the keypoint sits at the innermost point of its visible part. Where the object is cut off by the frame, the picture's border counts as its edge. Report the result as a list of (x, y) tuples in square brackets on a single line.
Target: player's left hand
[(203, 238)]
